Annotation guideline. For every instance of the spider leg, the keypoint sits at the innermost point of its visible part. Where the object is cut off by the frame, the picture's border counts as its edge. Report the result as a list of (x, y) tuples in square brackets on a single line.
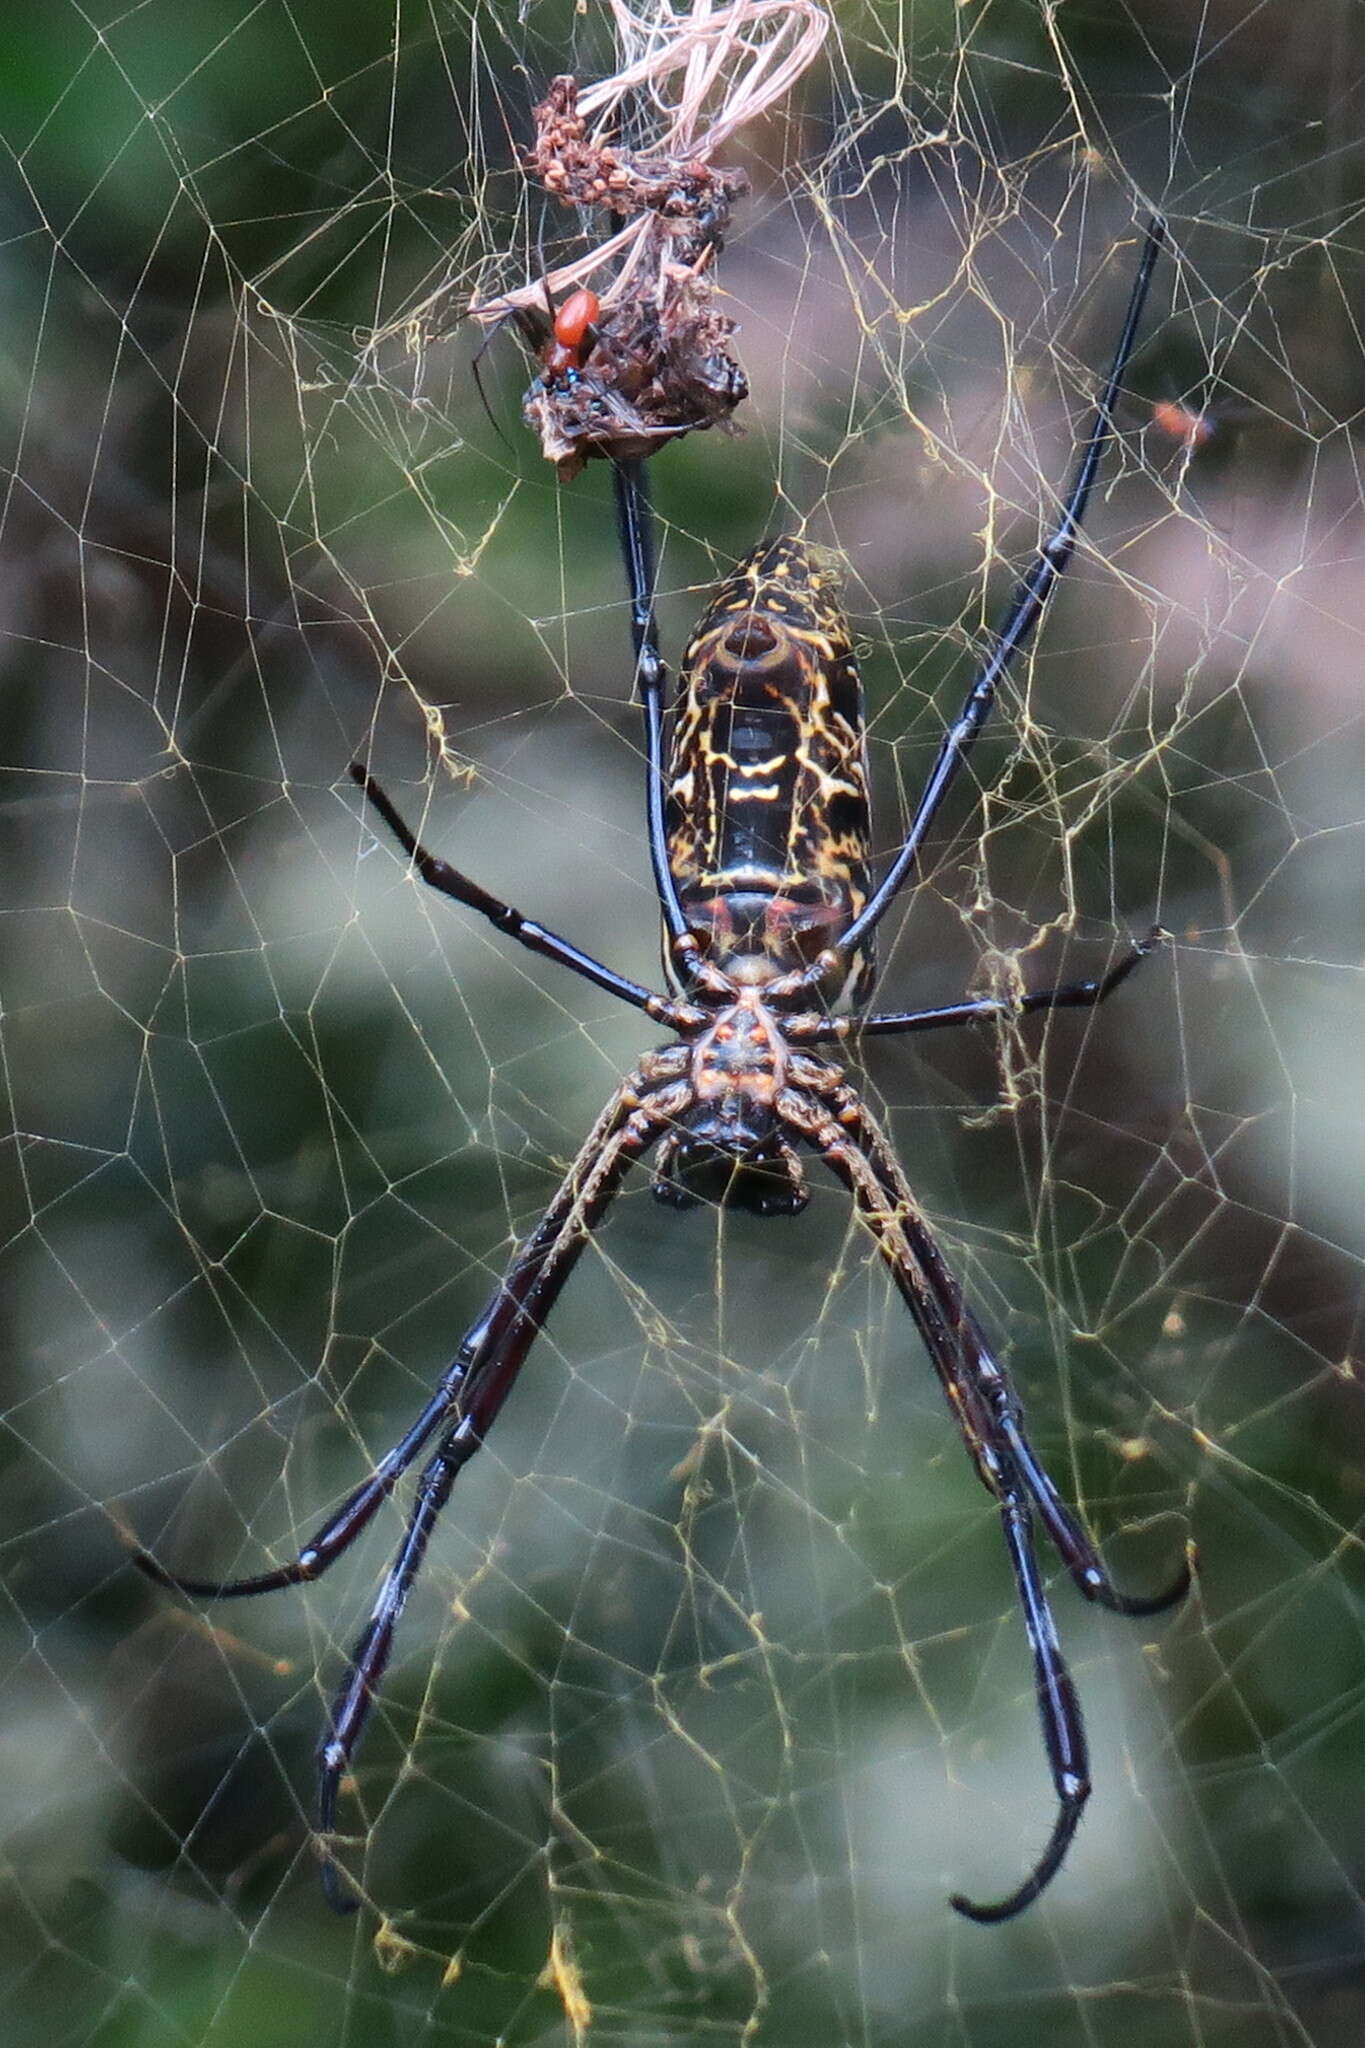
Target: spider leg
[(1071, 995), (440, 875), (469, 1366), (505, 1333), (340, 1530), (997, 1407), (479, 355), (1059, 1710), (635, 526), (1026, 605), (986, 1411)]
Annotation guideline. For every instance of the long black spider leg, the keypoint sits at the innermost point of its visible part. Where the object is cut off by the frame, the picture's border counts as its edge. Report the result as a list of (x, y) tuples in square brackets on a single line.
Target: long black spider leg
[(986, 1408), (997, 1410), (440, 875), (882, 1208), (513, 1321), (1059, 1710), (1071, 995), (478, 357), (341, 1529), (1030, 596), (635, 526), (992, 1422), (636, 533)]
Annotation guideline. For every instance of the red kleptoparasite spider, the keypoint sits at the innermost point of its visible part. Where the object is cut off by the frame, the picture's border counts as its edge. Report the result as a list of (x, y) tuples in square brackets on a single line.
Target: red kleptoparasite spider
[(619, 381), (574, 333), (759, 835)]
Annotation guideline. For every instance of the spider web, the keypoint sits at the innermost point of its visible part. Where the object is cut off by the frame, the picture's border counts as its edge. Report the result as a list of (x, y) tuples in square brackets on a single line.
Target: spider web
[(714, 1684)]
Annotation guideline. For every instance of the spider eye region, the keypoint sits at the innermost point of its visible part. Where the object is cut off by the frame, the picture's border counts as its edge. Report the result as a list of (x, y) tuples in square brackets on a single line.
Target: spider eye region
[(694, 1173), (700, 1165)]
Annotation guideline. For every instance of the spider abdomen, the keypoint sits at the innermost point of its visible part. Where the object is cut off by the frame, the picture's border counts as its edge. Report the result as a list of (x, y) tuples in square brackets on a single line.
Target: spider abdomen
[(768, 817)]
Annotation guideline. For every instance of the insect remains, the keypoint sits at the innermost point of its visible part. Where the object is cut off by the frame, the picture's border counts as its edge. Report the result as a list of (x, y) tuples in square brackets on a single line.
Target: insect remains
[(651, 360)]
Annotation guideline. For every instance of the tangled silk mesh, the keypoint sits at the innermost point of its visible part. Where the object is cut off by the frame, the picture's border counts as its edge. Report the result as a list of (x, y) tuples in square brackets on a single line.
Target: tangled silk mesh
[(715, 1683)]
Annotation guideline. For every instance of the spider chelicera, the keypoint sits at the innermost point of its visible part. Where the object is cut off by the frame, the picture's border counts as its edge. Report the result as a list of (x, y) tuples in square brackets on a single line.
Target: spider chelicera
[(759, 835)]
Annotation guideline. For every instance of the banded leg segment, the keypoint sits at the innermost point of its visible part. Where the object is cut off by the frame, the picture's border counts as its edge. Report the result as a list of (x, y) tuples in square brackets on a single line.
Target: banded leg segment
[(501, 1340), (987, 1413), (449, 881), (468, 1401), (635, 525), (1070, 995), (1024, 611)]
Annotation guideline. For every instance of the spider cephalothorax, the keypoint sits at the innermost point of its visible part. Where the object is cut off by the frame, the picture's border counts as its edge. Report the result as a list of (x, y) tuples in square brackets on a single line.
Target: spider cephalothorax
[(759, 835), (726, 1142)]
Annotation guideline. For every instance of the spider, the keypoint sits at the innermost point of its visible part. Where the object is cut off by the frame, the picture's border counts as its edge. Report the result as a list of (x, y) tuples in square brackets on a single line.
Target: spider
[(654, 364), (619, 382), (759, 834)]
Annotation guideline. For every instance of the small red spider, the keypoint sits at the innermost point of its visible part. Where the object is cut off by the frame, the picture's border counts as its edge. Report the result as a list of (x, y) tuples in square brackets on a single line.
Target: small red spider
[(1182, 424), (575, 331)]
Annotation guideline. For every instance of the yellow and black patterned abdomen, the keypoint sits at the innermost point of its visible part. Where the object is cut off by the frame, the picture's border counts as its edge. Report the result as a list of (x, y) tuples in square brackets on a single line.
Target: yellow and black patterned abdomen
[(768, 818)]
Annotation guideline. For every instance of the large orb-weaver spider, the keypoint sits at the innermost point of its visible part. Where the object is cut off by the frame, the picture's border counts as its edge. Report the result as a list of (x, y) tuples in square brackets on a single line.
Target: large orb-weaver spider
[(759, 833)]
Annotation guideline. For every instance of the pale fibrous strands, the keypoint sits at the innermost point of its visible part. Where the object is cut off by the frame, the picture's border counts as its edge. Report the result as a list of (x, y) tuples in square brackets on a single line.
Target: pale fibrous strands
[(641, 356)]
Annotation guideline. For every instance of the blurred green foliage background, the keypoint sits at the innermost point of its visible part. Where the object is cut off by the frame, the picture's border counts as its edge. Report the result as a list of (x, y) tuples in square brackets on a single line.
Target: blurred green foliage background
[(715, 1684)]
